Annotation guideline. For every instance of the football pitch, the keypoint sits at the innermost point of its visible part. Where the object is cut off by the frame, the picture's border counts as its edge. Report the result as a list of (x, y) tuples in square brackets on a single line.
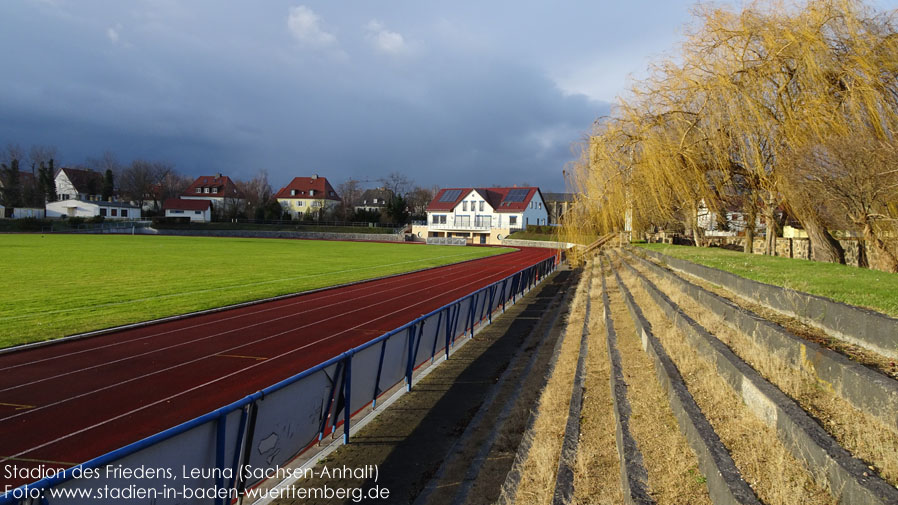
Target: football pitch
[(58, 285)]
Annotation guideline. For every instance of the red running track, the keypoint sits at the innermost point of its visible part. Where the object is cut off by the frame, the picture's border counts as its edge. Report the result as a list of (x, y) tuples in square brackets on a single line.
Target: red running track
[(66, 403)]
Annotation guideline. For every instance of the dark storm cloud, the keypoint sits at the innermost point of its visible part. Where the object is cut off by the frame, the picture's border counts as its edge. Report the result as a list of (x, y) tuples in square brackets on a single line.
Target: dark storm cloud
[(294, 89)]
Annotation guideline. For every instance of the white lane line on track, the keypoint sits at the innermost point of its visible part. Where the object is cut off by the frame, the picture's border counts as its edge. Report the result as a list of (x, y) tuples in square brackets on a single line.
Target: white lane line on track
[(394, 280), (222, 288), (229, 350), (216, 335), (95, 425)]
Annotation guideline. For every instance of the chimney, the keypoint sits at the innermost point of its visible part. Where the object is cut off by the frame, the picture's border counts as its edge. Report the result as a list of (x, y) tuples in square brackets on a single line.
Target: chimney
[(315, 176)]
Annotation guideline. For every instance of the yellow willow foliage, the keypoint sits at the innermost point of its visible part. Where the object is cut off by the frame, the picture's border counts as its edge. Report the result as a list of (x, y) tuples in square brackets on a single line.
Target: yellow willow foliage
[(725, 123)]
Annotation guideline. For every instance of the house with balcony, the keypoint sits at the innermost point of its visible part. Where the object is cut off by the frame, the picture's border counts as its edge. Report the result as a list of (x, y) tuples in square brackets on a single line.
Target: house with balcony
[(308, 197), (482, 215)]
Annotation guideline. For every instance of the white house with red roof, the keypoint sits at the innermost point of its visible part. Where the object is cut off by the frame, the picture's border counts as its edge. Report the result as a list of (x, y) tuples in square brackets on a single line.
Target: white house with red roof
[(483, 215), (198, 211), (308, 196), (225, 197)]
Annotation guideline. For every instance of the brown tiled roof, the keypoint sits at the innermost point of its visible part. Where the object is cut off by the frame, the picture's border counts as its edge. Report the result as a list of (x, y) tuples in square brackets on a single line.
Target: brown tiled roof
[(301, 187), (225, 186), (179, 204), (85, 181)]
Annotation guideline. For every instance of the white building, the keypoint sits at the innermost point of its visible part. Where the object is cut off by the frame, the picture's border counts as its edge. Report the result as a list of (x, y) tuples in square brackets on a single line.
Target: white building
[(87, 209), (78, 184), (483, 215), (198, 211)]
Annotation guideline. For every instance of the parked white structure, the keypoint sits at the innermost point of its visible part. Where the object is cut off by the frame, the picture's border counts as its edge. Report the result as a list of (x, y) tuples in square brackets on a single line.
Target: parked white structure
[(482, 215), (198, 211), (88, 209)]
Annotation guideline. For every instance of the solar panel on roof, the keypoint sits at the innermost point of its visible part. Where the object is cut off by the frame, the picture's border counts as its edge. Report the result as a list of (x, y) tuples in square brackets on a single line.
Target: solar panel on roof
[(517, 195), (450, 195)]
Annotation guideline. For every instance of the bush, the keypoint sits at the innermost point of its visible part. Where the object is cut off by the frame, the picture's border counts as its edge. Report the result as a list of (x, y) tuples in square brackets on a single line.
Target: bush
[(76, 221), (96, 220)]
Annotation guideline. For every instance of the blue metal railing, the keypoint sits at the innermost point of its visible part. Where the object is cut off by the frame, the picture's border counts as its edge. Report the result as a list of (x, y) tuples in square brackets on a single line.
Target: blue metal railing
[(332, 392)]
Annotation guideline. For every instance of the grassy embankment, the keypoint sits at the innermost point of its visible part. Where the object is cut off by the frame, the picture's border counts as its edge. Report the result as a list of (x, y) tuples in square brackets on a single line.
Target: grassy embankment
[(63, 284), (856, 286)]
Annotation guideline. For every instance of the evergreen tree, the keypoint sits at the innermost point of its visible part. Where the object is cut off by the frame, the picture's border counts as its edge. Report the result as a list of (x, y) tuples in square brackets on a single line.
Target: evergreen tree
[(108, 185), (46, 184), (12, 184)]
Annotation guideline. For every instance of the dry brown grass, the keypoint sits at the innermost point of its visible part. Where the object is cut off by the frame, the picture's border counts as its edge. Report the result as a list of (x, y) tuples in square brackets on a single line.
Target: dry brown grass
[(860, 433), (674, 476), (539, 469), (765, 464), (597, 471)]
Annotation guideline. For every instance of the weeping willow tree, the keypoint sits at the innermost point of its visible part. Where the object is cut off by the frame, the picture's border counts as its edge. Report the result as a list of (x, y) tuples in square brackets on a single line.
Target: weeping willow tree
[(772, 108)]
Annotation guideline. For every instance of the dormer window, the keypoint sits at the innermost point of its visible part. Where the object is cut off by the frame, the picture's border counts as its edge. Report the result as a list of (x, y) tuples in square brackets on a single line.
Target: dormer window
[(311, 192), (292, 192), (199, 190), (215, 190), (206, 190)]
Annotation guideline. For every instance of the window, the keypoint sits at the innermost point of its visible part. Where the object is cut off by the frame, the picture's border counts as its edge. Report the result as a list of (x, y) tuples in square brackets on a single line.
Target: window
[(177, 211), (299, 203), (103, 211), (539, 205), (316, 203), (197, 212), (439, 219), (199, 190), (311, 192), (292, 192), (114, 212), (205, 190), (464, 206), (215, 190), (512, 220), (124, 212), (481, 206), (332, 193)]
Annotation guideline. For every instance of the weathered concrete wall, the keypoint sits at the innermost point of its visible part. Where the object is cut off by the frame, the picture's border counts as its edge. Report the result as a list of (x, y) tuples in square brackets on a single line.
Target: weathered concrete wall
[(847, 478), (536, 243), (866, 389), (284, 234), (866, 328)]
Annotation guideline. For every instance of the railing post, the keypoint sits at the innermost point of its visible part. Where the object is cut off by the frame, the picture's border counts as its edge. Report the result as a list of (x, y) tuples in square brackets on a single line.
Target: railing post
[(433, 352), (380, 367), (220, 436), (409, 368)]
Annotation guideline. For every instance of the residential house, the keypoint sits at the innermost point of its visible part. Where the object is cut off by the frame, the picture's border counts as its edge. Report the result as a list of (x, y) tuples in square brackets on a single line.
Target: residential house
[(197, 211), (375, 200), (225, 197), (78, 184), (308, 196), (72, 207), (557, 205), (482, 215)]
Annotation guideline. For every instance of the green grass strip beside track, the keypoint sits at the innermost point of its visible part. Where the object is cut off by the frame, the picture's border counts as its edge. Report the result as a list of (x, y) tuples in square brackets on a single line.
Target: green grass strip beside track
[(855, 286)]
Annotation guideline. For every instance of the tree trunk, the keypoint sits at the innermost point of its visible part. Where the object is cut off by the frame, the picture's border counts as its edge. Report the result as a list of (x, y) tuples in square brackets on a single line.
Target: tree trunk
[(751, 213), (824, 247), (884, 259)]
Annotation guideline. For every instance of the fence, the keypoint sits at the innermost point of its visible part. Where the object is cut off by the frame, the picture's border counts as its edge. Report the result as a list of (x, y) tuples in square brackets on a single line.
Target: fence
[(447, 241), (214, 458)]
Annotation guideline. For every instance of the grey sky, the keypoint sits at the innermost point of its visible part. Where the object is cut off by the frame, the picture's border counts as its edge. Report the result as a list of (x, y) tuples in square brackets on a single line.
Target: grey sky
[(449, 93)]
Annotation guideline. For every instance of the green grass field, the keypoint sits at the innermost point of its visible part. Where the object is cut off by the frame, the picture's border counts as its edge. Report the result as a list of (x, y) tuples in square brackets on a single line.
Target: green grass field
[(58, 285), (856, 286)]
